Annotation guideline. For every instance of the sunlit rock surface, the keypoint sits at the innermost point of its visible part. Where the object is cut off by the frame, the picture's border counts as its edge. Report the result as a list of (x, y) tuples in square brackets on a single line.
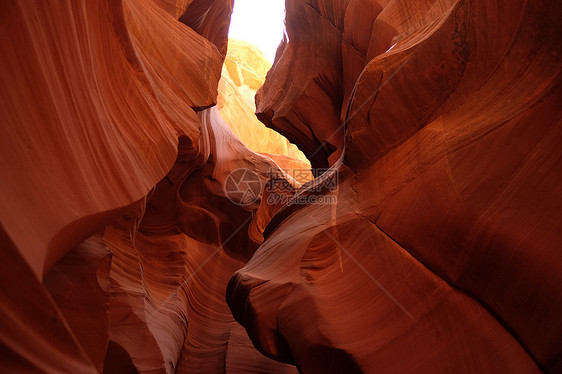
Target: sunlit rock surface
[(432, 245), (243, 74)]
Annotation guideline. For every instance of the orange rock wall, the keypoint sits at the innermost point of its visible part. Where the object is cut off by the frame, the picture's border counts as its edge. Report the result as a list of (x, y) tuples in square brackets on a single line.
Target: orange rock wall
[(436, 252), (117, 237), (442, 252)]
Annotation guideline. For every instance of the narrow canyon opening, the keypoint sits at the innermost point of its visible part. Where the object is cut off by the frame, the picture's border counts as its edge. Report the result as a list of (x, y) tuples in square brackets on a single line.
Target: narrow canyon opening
[(256, 29)]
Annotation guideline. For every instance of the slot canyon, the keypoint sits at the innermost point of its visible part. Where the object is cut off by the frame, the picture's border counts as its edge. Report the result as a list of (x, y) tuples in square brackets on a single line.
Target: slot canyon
[(383, 197)]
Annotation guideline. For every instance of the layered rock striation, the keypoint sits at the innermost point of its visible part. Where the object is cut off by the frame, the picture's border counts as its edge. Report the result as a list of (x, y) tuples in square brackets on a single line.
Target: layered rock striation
[(441, 255), (430, 245), (118, 238)]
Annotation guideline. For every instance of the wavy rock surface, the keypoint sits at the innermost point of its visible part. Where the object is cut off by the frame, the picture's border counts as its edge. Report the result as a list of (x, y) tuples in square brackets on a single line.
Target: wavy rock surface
[(430, 246), (118, 236), (442, 252)]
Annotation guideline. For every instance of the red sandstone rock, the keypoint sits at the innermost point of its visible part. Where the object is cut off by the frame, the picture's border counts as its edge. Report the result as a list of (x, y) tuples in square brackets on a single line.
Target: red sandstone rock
[(101, 136), (440, 253), (302, 94), (83, 83)]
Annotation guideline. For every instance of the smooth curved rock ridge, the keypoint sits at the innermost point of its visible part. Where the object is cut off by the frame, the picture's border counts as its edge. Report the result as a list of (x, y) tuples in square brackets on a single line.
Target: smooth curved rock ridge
[(442, 252), (78, 102)]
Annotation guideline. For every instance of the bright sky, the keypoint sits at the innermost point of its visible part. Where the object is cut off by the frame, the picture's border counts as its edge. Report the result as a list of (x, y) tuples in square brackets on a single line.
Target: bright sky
[(259, 22)]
